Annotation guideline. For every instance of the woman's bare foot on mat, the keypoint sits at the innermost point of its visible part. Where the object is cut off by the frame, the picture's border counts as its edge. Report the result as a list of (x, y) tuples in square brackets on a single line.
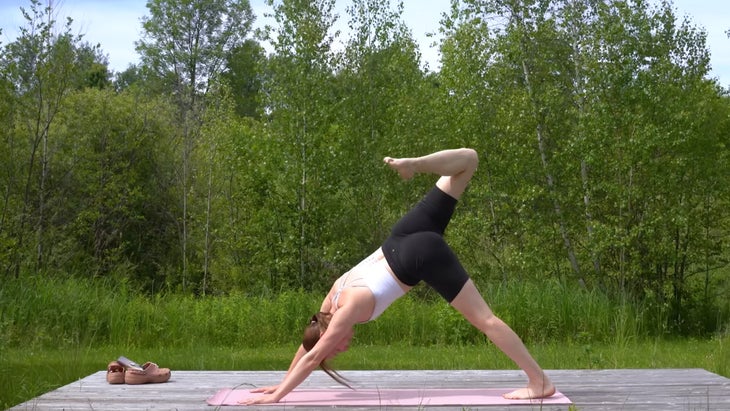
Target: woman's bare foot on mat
[(541, 391), (404, 166)]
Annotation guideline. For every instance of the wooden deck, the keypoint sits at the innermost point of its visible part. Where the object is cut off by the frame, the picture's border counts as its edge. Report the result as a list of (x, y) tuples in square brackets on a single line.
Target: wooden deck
[(660, 389)]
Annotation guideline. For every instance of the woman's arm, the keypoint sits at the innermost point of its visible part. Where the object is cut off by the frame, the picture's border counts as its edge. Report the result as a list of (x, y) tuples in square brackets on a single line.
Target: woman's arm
[(300, 370), (340, 327), (297, 356), (325, 307)]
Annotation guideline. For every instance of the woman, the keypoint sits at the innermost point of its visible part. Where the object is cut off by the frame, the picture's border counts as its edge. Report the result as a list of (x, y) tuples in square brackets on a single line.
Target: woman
[(415, 251)]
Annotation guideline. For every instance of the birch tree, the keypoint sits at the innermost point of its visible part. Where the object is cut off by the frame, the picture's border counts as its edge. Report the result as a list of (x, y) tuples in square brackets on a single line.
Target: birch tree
[(185, 44), (40, 66), (298, 87)]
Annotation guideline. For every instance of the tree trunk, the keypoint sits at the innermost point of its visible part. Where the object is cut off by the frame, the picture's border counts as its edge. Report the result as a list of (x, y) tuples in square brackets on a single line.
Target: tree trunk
[(539, 130)]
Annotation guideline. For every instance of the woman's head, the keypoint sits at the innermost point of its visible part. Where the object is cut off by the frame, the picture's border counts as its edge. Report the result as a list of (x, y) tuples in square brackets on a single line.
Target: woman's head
[(317, 326)]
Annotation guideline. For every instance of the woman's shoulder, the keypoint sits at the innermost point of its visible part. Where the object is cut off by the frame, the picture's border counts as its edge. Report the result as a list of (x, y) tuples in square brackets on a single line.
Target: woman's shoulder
[(359, 301)]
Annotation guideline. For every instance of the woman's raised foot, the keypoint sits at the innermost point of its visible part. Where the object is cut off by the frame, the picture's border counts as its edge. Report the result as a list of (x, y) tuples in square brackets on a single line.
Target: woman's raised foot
[(404, 166)]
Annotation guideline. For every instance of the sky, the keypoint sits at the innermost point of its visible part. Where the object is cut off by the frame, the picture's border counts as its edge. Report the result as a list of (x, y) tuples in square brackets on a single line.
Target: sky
[(116, 25)]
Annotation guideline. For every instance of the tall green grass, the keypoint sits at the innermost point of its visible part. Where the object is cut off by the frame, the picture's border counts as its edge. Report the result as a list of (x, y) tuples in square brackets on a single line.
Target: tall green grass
[(50, 313), (539, 313)]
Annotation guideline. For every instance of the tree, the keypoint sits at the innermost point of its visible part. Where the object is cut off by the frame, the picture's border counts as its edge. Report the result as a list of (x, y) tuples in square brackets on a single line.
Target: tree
[(238, 163), (298, 97), (385, 109), (185, 44), (41, 67), (91, 67), (115, 182), (505, 70), (244, 65), (9, 169), (672, 166), (608, 88)]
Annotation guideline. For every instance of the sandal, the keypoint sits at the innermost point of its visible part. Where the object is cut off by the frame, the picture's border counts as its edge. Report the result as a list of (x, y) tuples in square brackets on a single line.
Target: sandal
[(115, 373), (150, 373)]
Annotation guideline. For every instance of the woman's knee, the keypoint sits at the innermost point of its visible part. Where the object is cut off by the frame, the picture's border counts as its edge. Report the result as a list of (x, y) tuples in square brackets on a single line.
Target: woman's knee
[(472, 159)]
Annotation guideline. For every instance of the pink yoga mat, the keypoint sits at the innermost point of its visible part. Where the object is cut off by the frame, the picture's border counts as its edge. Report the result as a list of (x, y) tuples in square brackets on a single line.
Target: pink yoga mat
[(388, 397)]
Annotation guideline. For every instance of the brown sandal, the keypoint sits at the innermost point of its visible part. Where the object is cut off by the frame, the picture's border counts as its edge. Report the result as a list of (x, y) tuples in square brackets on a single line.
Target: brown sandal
[(115, 373), (150, 373)]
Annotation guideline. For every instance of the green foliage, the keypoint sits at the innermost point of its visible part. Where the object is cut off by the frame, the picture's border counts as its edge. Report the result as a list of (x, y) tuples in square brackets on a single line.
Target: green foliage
[(243, 74), (114, 182), (44, 313), (589, 174), (187, 41), (39, 69), (215, 169)]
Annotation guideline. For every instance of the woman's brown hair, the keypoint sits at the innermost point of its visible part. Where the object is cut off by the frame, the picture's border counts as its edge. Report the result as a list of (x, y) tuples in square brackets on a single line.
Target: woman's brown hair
[(317, 326)]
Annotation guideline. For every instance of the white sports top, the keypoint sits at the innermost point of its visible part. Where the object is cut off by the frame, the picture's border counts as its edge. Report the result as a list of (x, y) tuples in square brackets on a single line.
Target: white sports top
[(378, 279)]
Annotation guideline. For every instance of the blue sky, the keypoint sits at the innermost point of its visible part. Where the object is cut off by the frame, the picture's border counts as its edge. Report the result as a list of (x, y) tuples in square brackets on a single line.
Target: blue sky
[(115, 24)]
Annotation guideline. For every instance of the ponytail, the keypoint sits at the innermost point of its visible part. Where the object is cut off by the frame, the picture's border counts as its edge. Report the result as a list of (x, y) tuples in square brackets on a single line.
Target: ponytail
[(317, 326)]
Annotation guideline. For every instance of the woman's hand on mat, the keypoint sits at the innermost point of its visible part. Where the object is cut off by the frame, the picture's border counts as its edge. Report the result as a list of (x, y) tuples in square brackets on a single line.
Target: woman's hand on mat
[(266, 390), (261, 399)]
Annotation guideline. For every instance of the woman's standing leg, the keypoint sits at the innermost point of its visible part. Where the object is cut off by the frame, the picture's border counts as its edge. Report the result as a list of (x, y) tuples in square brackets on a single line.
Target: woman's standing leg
[(473, 307)]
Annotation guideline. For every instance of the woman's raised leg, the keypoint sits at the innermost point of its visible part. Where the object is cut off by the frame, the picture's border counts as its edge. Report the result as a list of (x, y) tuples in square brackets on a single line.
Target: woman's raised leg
[(455, 166)]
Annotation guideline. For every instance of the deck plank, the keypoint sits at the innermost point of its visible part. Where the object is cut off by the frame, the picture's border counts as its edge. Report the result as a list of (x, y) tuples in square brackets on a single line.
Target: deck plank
[(590, 390)]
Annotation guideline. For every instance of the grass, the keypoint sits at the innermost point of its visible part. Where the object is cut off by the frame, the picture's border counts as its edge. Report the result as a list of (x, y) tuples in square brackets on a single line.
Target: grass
[(29, 373), (48, 312)]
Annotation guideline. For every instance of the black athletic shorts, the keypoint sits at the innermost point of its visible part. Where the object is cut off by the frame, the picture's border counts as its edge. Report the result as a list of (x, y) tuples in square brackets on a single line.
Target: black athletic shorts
[(416, 249)]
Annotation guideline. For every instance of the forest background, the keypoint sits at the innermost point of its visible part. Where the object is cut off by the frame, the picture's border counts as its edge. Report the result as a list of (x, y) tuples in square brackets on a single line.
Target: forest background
[(215, 170)]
